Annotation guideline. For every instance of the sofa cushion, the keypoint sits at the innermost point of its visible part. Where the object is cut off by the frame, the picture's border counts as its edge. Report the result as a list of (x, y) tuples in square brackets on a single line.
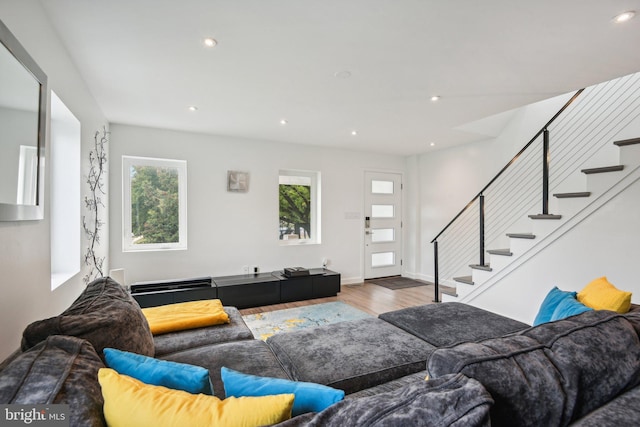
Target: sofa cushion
[(309, 397), (390, 386), (235, 330), (451, 323), (250, 356), (129, 402), (178, 376), (185, 315), (453, 400), (550, 374), (104, 314), (599, 294), (554, 297), (622, 411), (350, 356), (59, 370)]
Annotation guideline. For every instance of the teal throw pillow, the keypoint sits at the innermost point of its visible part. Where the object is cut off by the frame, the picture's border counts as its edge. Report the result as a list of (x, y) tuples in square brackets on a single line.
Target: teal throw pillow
[(550, 303), (178, 376), (309, 397), (569, 307)]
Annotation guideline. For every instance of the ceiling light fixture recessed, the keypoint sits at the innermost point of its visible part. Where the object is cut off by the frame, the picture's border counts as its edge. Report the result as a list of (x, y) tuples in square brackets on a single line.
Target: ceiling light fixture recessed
[(283, 122), (192, 108), (210, 42), (435, 98), (344, 74), (354, 132), (624, 17), (433, 144)]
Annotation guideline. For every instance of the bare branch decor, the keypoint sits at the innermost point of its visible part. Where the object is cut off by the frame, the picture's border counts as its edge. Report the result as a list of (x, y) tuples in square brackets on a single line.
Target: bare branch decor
[(92, 226)]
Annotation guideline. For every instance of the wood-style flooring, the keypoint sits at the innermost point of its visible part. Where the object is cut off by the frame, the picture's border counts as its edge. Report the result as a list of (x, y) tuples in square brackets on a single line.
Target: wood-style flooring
[(367, 297)]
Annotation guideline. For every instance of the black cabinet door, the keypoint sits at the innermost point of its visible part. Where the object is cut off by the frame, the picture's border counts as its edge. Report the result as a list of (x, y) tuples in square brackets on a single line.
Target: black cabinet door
[(296, 289)]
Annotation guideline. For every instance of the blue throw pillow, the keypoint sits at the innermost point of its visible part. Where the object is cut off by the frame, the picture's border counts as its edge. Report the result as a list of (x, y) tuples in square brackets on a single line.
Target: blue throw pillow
[(551, 301), (178, 376), (569, 307), (309, 397)]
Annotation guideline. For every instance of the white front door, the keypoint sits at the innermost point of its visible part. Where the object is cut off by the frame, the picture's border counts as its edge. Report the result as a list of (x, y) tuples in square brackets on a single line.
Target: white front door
[(382, 225)]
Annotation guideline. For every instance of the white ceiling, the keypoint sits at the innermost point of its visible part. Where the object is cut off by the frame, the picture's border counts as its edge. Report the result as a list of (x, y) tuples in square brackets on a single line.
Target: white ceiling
[(145, 63)]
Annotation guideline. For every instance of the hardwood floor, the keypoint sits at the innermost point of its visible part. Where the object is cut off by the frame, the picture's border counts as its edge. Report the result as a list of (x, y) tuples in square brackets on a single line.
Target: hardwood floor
[(367, 297)]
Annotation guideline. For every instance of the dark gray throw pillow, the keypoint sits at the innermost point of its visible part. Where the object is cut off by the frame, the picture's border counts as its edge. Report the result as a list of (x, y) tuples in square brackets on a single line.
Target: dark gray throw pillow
[(59, 370), (452, 400), (104, 314), (551, 374)]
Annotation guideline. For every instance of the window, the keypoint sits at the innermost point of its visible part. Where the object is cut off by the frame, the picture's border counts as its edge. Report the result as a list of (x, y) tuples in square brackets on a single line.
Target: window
[(299, 195), (65, 200), (154, 204)]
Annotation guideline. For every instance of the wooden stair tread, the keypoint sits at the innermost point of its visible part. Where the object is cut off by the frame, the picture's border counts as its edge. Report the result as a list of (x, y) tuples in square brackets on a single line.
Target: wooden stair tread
[(521, 235), (571, 195), (605, 169), (625, 142), (481, 267), (503, 252), (450, 291), (545, 216), (464, 279)]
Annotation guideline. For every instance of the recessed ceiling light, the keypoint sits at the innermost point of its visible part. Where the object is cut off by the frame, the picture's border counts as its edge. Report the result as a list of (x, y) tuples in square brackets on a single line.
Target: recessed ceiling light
[(344, 74), (210, 42), (624, 17), (435, 98), (192, 108), (283, 122), (433, 144), (354, 132)]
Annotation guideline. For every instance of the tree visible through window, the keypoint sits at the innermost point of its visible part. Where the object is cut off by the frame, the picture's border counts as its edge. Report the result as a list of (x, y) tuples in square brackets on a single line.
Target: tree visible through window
[(155, 203), (298, 195)]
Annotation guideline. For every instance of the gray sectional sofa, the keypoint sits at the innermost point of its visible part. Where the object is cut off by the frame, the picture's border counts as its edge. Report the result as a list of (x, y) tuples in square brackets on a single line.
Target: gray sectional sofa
[(482, 368)]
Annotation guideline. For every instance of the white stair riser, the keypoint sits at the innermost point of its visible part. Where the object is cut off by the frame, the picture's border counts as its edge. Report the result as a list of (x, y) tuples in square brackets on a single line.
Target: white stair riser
[(498, 262), (480, 276), (572, 205), (598, 183), (519, 246), (542, 227), (449, 298), (630, 154)]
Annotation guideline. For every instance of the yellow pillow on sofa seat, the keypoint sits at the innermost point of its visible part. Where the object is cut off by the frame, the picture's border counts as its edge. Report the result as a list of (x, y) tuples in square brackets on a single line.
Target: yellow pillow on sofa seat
[(129, 402), (185, 315), (602, 295)]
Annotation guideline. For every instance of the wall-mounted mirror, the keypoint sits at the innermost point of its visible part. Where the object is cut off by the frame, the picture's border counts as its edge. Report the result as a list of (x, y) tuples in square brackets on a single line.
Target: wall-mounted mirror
[(23, 94)]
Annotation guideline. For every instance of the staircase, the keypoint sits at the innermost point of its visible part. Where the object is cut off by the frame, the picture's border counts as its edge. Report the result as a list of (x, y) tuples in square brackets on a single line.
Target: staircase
[(570, 209)]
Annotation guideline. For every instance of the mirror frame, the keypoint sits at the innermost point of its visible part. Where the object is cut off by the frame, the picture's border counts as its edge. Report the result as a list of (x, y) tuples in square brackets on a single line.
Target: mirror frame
[(15, 212)]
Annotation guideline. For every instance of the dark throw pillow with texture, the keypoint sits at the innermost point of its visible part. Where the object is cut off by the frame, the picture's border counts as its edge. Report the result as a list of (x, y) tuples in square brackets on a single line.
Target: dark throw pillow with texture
[(550, 374), (452, 400), (104, 314), (59, 370)]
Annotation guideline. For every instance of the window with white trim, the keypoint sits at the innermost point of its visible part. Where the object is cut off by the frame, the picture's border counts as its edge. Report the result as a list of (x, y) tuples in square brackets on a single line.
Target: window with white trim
[(154, 205), (299, 207)]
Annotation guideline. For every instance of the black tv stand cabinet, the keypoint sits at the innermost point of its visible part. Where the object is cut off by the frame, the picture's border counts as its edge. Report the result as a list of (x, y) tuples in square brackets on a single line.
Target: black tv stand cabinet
[(242, 291)]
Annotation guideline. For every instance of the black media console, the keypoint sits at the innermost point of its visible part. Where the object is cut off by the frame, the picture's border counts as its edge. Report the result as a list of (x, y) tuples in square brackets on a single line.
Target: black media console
[(242, 291)]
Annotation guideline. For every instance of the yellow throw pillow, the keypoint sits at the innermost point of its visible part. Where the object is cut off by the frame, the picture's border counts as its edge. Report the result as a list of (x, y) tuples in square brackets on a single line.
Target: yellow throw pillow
[(602, 295), (129, 402), (185, 315)]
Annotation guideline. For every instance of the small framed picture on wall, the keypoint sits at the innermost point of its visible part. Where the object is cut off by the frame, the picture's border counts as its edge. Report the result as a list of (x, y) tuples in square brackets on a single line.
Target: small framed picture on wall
[(237, 182)]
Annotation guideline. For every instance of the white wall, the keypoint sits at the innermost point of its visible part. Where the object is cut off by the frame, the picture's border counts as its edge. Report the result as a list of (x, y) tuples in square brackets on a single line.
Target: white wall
[(25, 246), (228, 230)]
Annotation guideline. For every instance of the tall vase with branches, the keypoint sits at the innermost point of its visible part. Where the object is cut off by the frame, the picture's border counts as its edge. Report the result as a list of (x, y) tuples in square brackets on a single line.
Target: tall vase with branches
[(93, 201)]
